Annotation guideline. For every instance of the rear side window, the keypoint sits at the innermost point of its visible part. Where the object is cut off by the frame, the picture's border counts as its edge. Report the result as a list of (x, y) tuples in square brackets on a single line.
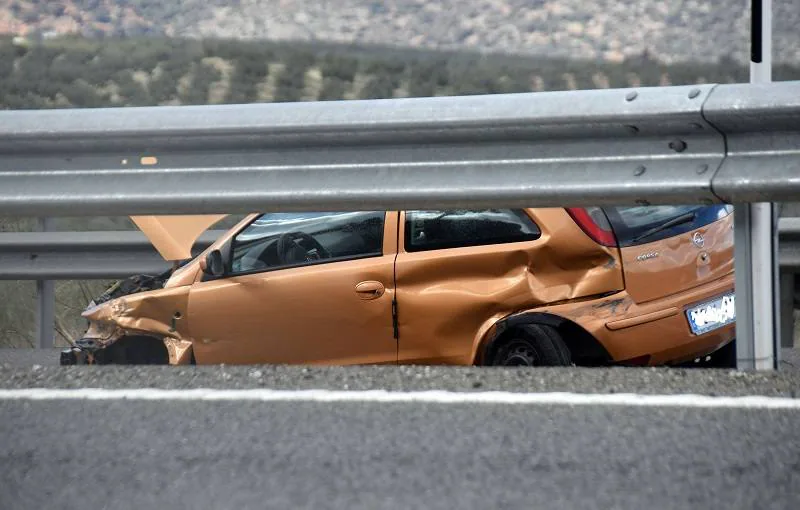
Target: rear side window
[(642, 224), (436, 230), (279, 240)]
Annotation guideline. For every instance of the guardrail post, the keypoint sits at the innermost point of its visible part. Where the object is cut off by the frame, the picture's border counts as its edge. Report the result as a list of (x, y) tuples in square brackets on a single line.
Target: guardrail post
[(757, 326), (787, 307), (745, 346), (45, 302)]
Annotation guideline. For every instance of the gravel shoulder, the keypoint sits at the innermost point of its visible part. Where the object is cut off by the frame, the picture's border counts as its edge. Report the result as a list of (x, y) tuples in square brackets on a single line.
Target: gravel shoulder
[(21, 370)]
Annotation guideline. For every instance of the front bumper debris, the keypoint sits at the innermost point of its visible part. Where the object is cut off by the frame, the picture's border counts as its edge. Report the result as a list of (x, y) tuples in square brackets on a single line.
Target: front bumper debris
[(75, 356)]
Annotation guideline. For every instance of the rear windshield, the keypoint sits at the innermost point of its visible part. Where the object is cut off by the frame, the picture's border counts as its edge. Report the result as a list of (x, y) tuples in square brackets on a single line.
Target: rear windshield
[(631, 222)]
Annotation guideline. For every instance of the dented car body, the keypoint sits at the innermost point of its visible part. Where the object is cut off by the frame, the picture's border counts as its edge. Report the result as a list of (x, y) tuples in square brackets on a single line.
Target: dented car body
[(543, 286)]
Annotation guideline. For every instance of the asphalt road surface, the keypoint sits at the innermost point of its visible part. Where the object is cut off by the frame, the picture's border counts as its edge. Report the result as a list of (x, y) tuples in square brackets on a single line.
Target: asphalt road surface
[(195, 455), (308, 454)]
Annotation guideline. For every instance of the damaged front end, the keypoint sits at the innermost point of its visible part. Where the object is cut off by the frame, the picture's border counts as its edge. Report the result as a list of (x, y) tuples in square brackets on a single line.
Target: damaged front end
[(146, 312), (110, 314)]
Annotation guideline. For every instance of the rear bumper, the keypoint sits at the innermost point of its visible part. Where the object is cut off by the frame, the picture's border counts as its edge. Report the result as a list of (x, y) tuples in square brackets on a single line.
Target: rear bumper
[(658, 332)]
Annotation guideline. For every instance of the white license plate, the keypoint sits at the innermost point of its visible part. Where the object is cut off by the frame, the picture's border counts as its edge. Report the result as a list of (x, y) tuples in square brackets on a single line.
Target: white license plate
[(712, 315)]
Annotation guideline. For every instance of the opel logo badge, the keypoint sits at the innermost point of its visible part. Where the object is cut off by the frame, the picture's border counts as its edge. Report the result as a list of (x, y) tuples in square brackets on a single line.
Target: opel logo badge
[(698, 240)]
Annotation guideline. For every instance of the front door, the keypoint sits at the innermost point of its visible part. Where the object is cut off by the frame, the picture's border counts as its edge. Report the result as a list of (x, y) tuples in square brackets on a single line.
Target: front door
[(311, 288)]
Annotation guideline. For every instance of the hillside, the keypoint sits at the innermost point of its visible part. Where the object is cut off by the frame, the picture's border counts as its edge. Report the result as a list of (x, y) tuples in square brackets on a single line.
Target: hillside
[(678, 30), (72, 71)]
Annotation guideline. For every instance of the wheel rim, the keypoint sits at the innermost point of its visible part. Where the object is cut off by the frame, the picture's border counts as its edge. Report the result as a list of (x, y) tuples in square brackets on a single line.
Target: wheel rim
[(520, 354)]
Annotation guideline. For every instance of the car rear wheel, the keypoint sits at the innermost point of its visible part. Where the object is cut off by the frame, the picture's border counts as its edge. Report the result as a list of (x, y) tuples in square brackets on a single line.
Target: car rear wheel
[(532, 345)]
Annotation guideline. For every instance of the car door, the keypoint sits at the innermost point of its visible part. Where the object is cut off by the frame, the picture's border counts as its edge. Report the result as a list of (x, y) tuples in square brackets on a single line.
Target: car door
[(311, 288), (456, 269)]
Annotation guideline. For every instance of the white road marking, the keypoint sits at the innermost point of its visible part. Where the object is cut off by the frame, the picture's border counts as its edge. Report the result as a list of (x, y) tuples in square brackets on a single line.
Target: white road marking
[(423, 397)]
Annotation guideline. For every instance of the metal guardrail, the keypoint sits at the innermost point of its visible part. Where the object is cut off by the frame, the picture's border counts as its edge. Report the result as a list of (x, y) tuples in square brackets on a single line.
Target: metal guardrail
[(658, 145), (83, 255)]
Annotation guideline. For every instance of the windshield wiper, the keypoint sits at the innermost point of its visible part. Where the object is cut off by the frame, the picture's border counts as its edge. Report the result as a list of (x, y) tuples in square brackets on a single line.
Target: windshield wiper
[(674, 222)]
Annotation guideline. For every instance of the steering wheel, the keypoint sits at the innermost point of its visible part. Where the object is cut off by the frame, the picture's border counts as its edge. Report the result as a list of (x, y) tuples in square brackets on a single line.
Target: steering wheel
[(292, 248)]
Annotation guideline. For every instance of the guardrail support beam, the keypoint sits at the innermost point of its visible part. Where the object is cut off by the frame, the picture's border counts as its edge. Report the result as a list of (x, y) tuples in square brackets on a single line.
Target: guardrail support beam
[(45, 303), (45, 313), (787, 308), (756, 237)]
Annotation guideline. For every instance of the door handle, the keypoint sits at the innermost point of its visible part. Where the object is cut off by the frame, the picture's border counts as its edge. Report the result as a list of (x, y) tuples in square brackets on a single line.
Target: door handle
[(370, 290)]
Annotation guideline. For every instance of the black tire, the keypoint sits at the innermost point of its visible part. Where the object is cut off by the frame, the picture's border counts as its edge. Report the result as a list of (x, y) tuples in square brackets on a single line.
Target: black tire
[(532, 345), (134, 351)]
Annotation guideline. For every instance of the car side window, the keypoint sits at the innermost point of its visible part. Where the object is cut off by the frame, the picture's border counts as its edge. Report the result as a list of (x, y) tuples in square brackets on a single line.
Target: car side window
[(434, 230), (281, 240)]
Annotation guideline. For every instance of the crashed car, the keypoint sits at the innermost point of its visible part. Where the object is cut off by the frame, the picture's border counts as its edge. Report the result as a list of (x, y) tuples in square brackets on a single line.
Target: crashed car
[(532, 287)]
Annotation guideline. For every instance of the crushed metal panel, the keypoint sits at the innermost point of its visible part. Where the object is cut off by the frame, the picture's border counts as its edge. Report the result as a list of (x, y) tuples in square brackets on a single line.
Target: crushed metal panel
[(446, 296), (159, 313)]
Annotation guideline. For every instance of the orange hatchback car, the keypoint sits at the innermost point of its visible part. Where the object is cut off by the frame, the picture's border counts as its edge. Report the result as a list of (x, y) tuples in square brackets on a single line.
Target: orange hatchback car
[(552, 286)]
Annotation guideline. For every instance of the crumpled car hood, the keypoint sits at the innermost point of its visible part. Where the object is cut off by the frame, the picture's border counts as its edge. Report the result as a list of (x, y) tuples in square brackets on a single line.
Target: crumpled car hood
[(173, 236)]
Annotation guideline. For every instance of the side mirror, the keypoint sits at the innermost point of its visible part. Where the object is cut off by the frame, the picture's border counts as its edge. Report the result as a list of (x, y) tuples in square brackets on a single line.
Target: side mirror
[(213, 265)]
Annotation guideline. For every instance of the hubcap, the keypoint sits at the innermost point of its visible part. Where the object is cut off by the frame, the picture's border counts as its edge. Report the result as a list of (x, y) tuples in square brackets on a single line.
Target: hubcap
[(520, 354)]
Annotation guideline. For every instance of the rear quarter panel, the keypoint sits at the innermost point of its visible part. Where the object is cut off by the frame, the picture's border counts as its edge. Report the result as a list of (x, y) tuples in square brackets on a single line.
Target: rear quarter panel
[(450, 298), (627, 329)]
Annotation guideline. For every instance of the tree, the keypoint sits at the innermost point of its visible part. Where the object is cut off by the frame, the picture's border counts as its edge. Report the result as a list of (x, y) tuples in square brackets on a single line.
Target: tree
[(378, 87), (341, 67), (333, 88), (250, 70), (131, 91), (291, 81), (203, 75), (83, 95)]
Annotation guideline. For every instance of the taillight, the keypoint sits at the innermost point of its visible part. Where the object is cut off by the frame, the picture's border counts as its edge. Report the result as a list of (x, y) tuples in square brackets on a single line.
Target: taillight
[(594, 222)]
